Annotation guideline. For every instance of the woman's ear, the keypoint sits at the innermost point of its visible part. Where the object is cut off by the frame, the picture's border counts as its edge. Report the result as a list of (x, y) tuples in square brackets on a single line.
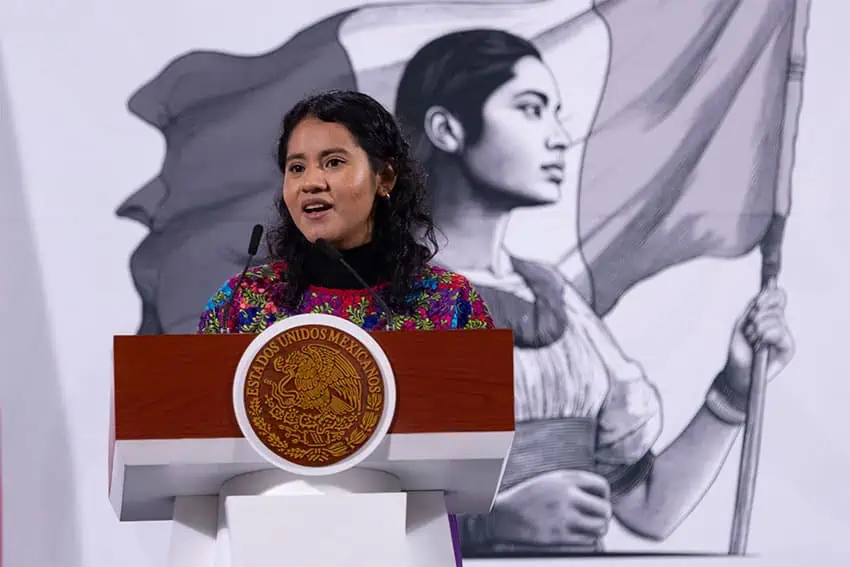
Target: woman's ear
[(387, 178), (444, 130)]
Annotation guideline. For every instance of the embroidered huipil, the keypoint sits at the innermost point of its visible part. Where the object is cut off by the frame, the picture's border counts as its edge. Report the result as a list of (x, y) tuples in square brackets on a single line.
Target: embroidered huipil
[(441, 300)]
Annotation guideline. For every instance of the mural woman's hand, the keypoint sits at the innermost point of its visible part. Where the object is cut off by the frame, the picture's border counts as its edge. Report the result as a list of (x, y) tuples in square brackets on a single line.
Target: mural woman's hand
[(562, 507), (762, 323)]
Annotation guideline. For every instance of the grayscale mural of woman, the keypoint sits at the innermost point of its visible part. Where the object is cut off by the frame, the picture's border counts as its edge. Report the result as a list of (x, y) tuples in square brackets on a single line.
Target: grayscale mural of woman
[(482, 109)]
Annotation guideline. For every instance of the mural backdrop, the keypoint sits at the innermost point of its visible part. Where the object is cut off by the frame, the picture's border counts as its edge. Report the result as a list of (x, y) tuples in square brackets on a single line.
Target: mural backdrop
[(615, 177)]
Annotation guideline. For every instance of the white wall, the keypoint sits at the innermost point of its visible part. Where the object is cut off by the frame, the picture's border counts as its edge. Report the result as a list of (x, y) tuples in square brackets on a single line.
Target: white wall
[(70, 153)]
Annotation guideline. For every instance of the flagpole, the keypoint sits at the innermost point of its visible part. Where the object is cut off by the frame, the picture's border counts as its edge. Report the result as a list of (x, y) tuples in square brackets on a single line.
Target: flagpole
[(751, 446), (771, 250)]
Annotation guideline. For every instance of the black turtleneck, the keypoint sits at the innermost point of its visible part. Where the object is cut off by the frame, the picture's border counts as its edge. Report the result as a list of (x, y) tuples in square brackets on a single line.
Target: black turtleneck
[(325, 272)]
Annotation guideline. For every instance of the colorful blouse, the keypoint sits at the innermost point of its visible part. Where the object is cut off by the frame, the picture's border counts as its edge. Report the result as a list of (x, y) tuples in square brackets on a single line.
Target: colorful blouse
[(441, 300)]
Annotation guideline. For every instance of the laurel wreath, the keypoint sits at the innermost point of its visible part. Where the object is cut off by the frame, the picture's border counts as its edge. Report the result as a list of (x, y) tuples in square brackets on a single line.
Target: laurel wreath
[(302, 429), (262, 426)]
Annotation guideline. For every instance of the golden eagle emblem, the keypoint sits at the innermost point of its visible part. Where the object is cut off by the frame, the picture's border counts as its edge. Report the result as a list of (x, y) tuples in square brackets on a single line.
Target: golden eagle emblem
[(315, 377), (312, 398)]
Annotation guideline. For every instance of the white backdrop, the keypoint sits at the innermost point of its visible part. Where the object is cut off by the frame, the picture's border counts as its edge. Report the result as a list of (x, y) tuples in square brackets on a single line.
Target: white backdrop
[(70, 153)]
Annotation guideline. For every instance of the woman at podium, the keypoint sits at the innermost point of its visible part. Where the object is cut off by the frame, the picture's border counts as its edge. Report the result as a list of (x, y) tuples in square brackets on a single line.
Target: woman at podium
[(352, 212)]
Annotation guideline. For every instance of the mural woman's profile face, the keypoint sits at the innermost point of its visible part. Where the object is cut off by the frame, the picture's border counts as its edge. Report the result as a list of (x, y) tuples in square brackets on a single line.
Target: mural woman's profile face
[(521, 149)]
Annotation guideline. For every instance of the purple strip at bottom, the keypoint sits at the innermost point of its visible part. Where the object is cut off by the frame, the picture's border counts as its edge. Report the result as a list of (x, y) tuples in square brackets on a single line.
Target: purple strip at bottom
[(455, 539)]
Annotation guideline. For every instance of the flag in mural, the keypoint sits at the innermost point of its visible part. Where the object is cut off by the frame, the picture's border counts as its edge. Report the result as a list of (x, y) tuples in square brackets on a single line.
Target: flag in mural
[(676, 108), (684, 156), (671, 142)]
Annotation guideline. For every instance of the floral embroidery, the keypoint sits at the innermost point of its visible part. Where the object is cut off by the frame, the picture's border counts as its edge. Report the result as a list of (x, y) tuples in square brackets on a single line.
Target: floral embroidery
[(442, 300)]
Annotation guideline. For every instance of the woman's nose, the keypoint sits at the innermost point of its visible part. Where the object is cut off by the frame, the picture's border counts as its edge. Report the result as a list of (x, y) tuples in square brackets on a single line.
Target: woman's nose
[(314, 181), (559, 138)]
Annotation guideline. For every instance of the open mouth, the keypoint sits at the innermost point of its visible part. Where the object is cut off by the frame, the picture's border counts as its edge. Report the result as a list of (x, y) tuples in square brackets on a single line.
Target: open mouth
[(313, 210)]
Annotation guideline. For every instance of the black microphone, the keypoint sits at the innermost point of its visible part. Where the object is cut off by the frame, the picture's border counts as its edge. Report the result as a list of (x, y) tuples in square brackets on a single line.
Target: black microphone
[(325, 247), (253, 246)]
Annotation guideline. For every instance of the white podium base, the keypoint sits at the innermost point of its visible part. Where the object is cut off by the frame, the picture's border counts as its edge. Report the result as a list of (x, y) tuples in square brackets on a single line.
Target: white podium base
[(272, 518)]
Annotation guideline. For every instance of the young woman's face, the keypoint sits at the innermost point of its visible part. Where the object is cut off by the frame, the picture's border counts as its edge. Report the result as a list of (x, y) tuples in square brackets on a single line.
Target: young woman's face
[(329, 186), (521, 150)]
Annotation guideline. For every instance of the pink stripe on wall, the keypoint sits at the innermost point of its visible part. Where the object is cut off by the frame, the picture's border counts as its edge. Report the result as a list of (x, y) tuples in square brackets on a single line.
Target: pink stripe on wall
[(1, 489)]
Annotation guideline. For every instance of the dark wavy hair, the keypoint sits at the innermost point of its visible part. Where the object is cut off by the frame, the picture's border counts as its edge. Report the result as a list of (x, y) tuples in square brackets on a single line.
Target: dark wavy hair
[(403, 230)]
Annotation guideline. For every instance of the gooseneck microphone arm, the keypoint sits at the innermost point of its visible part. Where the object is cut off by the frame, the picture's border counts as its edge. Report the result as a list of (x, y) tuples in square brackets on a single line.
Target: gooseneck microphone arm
[(253, 246), (328, 250)]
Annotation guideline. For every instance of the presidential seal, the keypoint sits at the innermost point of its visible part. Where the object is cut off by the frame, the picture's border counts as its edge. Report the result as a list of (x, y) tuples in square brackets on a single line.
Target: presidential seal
[(314, 394)]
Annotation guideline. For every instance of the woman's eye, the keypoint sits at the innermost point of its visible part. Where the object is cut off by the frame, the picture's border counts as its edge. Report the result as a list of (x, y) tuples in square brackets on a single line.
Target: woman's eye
[(296, 168), (532, 110), (334, 162)]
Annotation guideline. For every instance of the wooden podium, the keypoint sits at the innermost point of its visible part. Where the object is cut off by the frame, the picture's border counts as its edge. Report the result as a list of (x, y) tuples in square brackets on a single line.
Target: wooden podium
[(177, 452)]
